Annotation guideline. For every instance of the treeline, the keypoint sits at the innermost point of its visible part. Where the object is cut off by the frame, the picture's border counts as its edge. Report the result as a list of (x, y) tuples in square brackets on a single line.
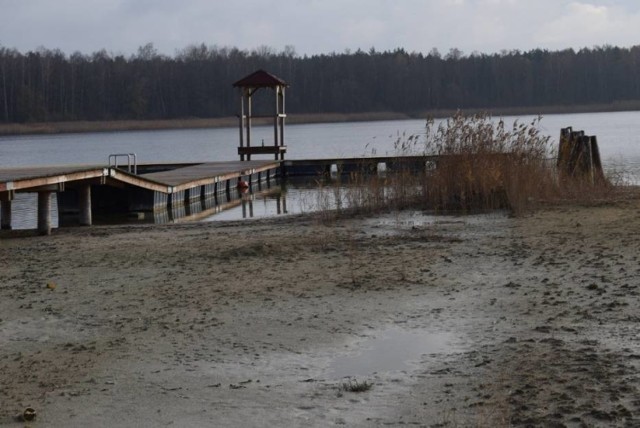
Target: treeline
[(48, 85)]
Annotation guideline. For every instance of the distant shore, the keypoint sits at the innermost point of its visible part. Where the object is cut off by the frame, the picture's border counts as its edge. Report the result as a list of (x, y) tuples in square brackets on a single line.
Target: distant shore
[(226, 122)]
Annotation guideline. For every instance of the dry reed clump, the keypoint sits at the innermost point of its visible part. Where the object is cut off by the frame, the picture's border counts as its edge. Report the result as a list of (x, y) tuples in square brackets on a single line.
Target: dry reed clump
[(468, 163), (484, 165)]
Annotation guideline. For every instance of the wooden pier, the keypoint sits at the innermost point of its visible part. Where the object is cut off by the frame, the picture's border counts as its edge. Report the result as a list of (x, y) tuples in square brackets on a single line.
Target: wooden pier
[(161, 189), (84, 190)]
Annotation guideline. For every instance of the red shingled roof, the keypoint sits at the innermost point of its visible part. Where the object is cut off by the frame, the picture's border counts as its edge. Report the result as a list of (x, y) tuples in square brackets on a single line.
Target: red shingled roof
[(260, 79)]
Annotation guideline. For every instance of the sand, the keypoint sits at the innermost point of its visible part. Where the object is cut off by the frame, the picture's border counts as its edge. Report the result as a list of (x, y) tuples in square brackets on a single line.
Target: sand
[(529, 321)]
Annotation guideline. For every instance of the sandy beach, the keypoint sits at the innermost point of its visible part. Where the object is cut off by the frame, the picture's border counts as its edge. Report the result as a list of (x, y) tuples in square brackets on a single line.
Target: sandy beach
[(448, 321)]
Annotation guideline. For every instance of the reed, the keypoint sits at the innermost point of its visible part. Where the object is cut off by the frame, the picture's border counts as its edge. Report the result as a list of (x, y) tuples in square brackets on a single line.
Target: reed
[(486, 165), (470, 164)]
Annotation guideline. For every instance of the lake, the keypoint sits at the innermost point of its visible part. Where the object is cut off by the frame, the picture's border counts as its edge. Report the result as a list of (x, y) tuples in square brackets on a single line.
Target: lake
[(618, 139)]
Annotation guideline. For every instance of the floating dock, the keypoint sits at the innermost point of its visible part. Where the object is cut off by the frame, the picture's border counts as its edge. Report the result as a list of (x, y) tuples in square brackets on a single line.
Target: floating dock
[(185, 189)]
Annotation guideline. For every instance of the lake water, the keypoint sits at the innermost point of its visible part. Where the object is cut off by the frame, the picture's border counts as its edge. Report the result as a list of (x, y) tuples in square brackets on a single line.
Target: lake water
[(618, 139)]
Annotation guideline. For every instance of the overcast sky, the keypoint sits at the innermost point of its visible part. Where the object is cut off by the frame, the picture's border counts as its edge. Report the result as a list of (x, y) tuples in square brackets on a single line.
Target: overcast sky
[(318, 26)]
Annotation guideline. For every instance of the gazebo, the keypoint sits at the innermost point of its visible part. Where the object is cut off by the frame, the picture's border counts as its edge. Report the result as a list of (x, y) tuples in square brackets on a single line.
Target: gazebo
[(248, 86)]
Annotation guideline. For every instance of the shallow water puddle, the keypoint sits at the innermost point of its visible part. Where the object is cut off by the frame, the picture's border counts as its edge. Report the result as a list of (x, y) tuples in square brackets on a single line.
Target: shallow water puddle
[(391, 350)]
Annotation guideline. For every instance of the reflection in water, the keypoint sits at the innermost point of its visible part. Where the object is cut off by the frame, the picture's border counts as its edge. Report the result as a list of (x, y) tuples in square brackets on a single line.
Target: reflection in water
[(390, 350), (235, 205), (279, 196), (291, 197)]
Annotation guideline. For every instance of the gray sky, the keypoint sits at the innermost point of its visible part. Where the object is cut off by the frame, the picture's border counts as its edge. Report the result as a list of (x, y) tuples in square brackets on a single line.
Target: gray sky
[(318, 26)]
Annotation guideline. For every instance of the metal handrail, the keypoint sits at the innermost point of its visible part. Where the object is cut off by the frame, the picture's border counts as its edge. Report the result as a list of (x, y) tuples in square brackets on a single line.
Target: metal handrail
[(113, 161)]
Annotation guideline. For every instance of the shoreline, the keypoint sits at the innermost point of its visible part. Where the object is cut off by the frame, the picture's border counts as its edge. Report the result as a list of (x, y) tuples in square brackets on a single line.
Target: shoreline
[(73, 127), (246, 322)]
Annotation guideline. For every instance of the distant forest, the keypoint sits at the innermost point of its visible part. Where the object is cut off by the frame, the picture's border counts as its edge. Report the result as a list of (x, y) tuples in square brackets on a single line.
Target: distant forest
[(48, 85)]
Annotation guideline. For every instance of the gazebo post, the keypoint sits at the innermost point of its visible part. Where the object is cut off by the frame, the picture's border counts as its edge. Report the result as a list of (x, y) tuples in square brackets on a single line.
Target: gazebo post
[(276, 120), (248, 95), (241, 123), (282, 115)]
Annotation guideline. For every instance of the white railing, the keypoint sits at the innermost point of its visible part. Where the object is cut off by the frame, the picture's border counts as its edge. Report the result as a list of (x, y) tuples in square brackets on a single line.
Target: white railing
[(132, 162)]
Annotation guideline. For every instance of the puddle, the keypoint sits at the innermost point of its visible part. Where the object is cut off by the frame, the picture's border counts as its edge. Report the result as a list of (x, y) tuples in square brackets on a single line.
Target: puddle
[(391, 350), (403, 222)]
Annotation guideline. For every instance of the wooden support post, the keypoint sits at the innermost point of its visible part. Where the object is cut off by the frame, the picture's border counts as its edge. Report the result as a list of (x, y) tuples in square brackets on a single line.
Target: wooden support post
[(5, 215), (84, 200), (564, 148), (281, 117), (578, 156), (276, 121), (242, 118), (248, 124), (597, 162), (44, 213)]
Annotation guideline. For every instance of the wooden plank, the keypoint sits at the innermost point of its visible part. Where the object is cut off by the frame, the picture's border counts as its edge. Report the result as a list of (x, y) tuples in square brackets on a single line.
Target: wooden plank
[(139, 181), (27, 178), (262, 150), (12, 174), (361, 160), (208, 173)]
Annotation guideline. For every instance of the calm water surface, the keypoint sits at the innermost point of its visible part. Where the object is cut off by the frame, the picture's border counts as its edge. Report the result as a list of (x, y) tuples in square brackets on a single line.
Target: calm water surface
[(617, 137)]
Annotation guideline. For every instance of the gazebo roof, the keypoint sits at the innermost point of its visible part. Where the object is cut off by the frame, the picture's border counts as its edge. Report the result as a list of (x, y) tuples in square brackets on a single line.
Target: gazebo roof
[(260, 79)]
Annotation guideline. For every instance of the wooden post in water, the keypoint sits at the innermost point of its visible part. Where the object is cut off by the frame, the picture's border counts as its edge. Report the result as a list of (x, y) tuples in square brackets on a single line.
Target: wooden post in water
[(597, 162), (84, 200), (5, 215), (564, 149), (44, 212), (579, 156)]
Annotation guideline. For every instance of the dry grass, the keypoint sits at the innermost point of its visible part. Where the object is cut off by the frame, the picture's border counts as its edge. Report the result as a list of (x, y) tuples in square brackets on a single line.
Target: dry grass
[(485, 165), (468, 164), (355, 386)]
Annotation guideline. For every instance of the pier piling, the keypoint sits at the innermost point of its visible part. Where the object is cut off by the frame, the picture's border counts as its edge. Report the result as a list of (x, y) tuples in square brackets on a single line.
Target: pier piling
[(84, 201), (5, 215), (44, 213)]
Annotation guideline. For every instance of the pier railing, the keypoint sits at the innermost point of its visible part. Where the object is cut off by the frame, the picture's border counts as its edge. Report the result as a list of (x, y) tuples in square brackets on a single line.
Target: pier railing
[(132, 161)]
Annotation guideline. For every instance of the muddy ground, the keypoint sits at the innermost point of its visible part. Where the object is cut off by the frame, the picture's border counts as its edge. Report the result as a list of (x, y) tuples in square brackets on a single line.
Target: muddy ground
[(252, 323)]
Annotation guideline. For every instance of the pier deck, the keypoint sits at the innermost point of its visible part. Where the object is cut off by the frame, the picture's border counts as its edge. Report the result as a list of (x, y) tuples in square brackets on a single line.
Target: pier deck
[(33, 178), (211, 172)]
